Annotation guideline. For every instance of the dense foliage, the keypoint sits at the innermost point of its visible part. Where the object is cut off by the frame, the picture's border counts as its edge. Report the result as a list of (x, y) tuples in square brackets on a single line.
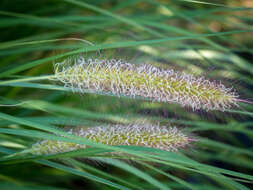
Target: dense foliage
[(210, 39)]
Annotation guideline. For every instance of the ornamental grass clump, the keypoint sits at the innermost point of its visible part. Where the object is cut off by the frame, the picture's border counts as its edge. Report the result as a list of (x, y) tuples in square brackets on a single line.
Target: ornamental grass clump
[(160, 137), (116, 77)]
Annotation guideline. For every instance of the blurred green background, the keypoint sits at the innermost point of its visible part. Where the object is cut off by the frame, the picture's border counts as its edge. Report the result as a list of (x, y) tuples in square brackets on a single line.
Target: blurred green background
[(210, 38)]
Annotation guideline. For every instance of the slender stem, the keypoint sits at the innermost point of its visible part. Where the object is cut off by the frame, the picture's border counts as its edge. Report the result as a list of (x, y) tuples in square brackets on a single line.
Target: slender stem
[(17, 153), (45, 77)]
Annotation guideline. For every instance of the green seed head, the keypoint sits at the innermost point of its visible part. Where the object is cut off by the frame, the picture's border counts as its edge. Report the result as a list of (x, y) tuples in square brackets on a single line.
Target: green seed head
[(169, 139), (162, 85)]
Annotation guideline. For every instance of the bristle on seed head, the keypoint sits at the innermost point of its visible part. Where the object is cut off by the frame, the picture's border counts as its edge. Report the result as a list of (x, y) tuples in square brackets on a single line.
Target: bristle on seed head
[(126, 79), (160, 137)]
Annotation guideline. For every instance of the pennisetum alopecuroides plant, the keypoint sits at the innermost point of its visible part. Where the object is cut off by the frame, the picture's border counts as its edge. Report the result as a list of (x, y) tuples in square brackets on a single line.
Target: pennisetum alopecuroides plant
[(117, 77), (121, 78), (160, 137)]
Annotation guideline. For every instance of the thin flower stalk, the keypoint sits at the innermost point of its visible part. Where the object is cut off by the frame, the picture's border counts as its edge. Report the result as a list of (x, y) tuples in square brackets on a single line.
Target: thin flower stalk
[(121, 78), (160, 137)]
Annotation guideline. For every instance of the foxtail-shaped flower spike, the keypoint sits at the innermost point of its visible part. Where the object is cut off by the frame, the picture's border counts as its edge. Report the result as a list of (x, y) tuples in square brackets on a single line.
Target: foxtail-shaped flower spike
[(160, 137), (126, 79)]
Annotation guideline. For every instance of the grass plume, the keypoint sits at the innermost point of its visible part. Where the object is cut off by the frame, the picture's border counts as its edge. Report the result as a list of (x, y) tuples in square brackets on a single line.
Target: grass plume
[(161, 137), (122, 78)]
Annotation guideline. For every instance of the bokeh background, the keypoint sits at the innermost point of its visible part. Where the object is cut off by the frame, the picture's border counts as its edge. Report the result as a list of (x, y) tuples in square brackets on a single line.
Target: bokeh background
[(212, 39)]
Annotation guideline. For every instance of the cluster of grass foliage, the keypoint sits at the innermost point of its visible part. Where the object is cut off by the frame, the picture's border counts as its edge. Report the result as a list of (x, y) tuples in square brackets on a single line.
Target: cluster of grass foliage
[(205, 38)]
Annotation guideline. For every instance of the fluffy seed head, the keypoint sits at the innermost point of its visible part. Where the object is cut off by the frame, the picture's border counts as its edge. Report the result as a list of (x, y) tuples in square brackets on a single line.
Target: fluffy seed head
[(161, 137), (122, 78)]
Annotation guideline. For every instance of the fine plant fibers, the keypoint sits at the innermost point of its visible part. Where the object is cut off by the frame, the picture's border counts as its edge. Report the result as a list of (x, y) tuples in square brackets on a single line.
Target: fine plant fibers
[(121, 78), (185, 35), (161, 137)]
